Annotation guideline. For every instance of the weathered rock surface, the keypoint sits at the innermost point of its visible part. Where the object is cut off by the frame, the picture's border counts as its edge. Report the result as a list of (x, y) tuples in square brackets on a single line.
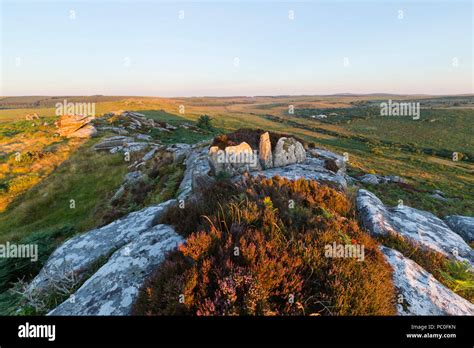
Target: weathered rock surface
[(265, 151), (380, 179), (422, 293), (311, 169), (84, 132), (196, 164), (79, 253), (149, 155), (288, 151), (215, 164), (133, 147), (233, 160), (328, 155), (370, 179), (120, 143), (114, 287), (144, 137), (462, 225), (119, 130), (416, 225), (132, 177), (138, 119), (75, 126), (179, 151), (111, 142)]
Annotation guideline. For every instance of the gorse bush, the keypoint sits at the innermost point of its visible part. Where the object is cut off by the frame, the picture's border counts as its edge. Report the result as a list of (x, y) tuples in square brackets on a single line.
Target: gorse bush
[(258, 248)]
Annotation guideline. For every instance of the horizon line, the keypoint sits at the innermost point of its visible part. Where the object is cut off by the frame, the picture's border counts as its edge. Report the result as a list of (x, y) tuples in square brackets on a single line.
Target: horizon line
[(342, 94)]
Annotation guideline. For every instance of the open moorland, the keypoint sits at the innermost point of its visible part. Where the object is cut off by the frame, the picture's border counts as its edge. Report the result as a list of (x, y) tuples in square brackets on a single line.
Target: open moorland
[(43, 174)]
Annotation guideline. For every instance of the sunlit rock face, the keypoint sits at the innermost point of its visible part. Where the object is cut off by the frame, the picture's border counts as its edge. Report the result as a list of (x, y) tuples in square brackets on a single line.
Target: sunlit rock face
[(114, 287), (75, 126), (233, 160), (421, 293), (265, 151), (288, 151), (418, 226)]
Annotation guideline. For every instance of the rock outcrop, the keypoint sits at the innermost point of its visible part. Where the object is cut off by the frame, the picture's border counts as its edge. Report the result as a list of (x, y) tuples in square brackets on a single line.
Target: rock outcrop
[(120, 143), (380, 179), (288, 151), (127, 250), (235, 160), (311, 169), (78, 254), (197, 164), (114, 287), (339, 160), (179, 151), (421, 293), (462, 225), (75, 126), (418, 226)]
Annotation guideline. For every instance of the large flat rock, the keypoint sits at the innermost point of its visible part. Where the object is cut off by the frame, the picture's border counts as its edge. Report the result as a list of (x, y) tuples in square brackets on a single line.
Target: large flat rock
[(422, 293), (416, 225), (114, 287), (78, 254)]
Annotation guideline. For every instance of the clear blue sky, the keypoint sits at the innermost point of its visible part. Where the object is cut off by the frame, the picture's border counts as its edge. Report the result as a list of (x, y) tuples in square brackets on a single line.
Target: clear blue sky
[(144, 48)]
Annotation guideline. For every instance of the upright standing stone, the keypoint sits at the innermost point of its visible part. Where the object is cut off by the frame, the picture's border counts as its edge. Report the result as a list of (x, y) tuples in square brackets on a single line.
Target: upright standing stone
[(288, 151), (265, 151)]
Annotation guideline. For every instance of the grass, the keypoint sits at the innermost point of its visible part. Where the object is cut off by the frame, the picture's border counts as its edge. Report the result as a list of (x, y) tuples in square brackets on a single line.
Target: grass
[(450, 126), (14, 269), (42, 214), (86, 177)]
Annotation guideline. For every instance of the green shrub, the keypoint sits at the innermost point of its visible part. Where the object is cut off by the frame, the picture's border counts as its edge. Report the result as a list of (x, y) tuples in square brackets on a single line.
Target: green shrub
[(205, 122)]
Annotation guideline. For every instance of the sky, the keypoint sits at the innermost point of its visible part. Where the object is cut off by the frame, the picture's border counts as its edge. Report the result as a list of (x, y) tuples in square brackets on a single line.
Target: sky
[(230, 48)]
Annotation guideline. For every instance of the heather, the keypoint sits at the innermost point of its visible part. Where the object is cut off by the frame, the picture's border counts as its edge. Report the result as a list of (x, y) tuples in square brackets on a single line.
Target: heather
[(257, 247)]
